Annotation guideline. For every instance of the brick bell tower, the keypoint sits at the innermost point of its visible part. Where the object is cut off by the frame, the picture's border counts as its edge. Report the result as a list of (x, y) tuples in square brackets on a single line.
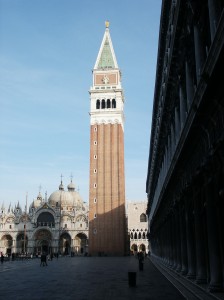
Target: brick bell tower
[(107, 223)]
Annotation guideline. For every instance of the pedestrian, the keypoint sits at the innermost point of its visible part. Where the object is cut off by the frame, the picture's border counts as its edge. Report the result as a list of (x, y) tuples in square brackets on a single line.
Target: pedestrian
[(2, 258), (141, 260), (43, 260)]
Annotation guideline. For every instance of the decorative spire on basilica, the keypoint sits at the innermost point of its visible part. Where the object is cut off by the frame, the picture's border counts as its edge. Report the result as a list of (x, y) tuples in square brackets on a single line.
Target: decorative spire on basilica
[(61, 187)]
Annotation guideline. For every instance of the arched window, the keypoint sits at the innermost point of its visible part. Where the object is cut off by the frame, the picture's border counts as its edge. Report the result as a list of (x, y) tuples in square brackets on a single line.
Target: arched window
[(135, 236), (143, 218), (139, 235), (45, 219), (131, 235), (143, 235), (113, 103), (108, 103), (103, 104), (98, 104)]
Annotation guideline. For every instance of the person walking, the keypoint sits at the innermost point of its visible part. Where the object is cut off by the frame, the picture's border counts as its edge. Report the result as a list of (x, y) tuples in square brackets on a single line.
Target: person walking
[(141, 260), (43, 260), (2, 258)]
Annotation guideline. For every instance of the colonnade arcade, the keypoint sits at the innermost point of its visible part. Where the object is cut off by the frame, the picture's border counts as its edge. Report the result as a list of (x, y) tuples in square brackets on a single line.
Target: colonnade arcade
[(189, 234), (185, 183), (44, 241)]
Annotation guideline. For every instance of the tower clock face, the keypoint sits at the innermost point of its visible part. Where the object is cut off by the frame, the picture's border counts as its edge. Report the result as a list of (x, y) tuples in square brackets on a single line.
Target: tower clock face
[(108, 78), (105, 79)]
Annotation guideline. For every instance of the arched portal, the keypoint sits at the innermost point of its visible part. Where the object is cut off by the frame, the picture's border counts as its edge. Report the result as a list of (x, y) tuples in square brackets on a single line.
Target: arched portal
[(142, 248), (43, 241), (21, 243), (6, 242), (81, 244), (134, 249), (65, 244)]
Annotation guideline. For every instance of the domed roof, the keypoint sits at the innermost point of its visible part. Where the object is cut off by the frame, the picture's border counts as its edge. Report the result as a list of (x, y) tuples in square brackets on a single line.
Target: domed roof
[(77, 199), (66, 198), (71, 186), (36, 202), (61, 187), (61, 197)]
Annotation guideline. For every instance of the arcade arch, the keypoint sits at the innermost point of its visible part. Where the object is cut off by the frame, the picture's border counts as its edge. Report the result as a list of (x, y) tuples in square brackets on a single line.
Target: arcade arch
[(7, 242), (65, 244), (80, 244), (21, 243), (43, 241)]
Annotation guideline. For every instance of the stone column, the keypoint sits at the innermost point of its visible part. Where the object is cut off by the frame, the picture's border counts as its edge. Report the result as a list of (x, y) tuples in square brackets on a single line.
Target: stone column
[(214, 13), (199, 50), (173, 140), (169, 150), (170, 241), (189, 85), (178, 241), (190, 241), (167, 243), (183, 106), (201, 274), (164, 242), (213, 239), (163, 239), (174, 243), (184, 265), (13, 246), (177, 124)]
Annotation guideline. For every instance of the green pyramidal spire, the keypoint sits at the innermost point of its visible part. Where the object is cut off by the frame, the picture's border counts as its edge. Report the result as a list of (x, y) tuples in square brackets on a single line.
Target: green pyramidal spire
[(106, 57)]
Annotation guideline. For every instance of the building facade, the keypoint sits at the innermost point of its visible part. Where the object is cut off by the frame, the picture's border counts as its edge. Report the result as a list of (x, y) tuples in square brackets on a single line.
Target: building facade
[(185, 183), (58, 224), (107, 183), (137, 227)]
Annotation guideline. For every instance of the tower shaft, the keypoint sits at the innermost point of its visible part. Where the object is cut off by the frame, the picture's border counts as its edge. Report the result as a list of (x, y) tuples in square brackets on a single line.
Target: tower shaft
[(107, 178)]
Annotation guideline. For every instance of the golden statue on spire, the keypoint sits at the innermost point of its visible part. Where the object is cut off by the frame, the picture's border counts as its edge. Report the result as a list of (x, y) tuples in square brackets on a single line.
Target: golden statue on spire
[(107, 24)]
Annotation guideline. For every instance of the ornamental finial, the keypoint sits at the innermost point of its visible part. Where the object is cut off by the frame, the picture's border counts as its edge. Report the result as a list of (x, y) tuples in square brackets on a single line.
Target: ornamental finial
[(107, 24)]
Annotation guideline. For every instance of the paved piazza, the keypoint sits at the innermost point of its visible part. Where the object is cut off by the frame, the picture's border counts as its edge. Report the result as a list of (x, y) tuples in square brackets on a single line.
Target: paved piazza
[(83, 278)]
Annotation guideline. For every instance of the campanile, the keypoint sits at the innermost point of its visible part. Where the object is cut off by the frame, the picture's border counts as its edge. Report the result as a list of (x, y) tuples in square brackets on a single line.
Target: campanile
[(107, 182)]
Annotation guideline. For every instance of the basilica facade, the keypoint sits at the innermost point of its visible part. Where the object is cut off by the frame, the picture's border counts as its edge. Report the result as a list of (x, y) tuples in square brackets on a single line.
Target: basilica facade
[(58, 224)]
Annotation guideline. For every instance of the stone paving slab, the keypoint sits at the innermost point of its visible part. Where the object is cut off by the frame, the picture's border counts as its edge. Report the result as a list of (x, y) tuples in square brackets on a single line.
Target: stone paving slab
[(84, 278)]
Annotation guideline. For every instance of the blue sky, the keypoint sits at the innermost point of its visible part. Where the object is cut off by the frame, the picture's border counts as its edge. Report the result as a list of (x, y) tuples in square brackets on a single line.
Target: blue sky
[(47, 53)]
